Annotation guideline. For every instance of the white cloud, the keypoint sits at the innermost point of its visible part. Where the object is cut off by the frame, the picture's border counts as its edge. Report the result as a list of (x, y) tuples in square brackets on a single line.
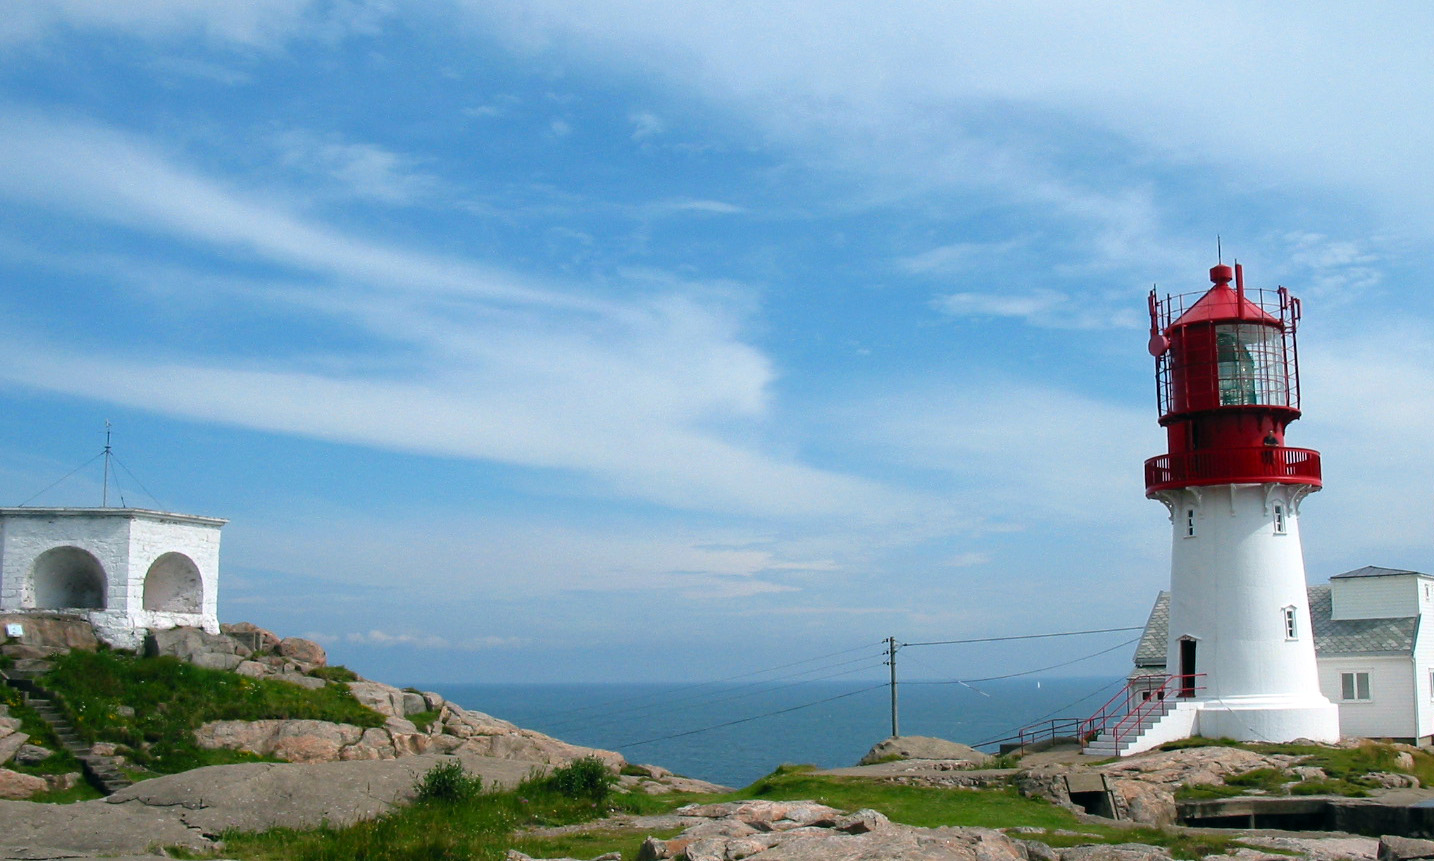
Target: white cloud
[(646, 124), (1037, 303), (1012, 95), (261, 24), (375, 637), (623, 391), (957, 257), (362, 169)]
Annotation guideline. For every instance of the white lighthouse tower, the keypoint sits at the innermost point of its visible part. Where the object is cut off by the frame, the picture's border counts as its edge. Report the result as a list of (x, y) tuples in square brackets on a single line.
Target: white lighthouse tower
[(1240, 647)]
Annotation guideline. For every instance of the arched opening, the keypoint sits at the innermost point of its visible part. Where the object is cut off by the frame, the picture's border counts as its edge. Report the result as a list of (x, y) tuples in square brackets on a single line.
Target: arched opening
[(68, 578), (172, 585)]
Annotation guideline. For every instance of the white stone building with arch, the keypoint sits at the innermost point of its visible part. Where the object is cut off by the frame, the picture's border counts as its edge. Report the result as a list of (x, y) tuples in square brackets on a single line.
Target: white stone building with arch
[(128, 570)]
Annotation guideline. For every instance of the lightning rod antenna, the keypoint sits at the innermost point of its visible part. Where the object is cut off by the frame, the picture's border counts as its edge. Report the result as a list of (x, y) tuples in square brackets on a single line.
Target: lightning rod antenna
[(1219, 252), (105, 492)]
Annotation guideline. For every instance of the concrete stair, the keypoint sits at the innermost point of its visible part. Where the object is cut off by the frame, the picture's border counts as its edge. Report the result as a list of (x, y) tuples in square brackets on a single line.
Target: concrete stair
[(101, 771), (1130, 729)]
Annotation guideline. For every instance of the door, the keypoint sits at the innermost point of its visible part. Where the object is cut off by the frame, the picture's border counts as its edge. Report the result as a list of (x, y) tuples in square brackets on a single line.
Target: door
[(1187, 666)]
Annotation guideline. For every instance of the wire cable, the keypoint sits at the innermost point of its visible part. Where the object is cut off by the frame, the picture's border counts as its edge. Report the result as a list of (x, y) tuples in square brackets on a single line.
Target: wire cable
[(751, 718), (62, 480), (1022, 637), (159, 505), (1028, 672), (663, 695), (714, 697)]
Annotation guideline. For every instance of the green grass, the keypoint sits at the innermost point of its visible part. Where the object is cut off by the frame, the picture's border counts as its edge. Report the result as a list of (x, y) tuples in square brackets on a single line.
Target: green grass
[(588, 843), (424, 720), (61, 761), (928, 806), (334, 673), (1347, 768), (152, 705), (460, 826)]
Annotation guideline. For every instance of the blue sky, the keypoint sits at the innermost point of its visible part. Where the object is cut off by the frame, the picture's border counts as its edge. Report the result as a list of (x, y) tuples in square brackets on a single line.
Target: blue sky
[(643, 341)]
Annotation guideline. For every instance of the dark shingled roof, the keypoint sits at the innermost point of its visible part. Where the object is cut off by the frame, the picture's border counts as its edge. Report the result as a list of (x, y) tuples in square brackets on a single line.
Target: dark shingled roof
[(1358, 636), (1151, 651), (1331, 637)]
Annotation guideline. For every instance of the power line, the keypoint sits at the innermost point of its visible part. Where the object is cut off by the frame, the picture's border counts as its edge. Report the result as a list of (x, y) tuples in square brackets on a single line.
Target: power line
[(753, 717), (663, 697), (1023, 637), (714, 697), (1028, 672)]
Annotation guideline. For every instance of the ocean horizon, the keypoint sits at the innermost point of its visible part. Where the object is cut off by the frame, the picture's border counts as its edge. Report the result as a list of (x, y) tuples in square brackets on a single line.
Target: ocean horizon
[(733, 734)]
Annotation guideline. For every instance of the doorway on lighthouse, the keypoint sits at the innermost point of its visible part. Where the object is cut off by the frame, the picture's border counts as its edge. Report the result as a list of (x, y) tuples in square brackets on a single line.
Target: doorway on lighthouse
[(1187, 667)]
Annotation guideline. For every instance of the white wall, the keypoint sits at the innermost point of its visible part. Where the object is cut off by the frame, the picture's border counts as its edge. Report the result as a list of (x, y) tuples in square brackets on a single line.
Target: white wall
[(1390, 597), (1390, 712)]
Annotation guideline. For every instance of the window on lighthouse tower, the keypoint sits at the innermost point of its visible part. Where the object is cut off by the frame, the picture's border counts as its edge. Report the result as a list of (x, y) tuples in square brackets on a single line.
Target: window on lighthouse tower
[(1237, 368), (1252, 365)]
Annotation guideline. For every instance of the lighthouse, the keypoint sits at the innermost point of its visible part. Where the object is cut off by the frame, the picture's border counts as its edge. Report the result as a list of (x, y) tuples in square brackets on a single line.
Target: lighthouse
[(1240, 649)]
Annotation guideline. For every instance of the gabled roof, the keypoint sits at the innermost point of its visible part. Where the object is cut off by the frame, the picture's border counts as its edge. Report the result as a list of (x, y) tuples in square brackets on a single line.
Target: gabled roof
[(1375, 571), (1331, 637)]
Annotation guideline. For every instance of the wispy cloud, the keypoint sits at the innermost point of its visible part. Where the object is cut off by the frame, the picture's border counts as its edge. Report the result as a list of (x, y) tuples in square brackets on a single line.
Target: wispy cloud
[(362, 170), (375, 637), (623, 391)]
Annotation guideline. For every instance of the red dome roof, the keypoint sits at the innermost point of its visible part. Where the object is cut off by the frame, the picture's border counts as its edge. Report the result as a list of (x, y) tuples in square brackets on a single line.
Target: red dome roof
[(1224, 304)]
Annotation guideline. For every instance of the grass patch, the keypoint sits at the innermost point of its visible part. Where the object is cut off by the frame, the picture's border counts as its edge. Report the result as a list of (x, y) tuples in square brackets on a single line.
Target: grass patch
[(479, 826), (60, 761), (334, 673), (1180, 844), (588, 843), (424, 720), (81, 791), (911, 805), (152, 705), (1201, 791), (1264, 779)]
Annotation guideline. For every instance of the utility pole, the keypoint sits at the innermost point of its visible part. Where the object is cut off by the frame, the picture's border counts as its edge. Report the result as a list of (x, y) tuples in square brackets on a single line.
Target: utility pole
[(891, 662)]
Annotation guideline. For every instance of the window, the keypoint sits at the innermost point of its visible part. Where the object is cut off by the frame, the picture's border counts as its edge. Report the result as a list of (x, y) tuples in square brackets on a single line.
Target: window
[(1431, 684), (1354, 687), (1279, 518), (1189, 523), (1291, 631)]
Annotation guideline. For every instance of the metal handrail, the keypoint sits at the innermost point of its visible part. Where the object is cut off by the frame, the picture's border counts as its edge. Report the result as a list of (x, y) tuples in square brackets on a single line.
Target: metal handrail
[(1119, 715), (1251, 464), (1151, 701)]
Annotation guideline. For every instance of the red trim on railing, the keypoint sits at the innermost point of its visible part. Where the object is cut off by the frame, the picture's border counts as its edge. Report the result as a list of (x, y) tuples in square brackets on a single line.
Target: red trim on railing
[(1149, 702), (1121, 715), (1252, 465)]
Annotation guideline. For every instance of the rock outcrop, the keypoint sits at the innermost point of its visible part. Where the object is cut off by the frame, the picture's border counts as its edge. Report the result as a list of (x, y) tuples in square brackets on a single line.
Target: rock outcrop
[(47, 634), (455, 730), (923, 747), (806, 831)]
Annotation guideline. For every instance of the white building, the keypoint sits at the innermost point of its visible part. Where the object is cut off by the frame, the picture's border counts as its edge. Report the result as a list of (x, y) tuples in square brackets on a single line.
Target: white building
[(127, 570), (1375, 658)]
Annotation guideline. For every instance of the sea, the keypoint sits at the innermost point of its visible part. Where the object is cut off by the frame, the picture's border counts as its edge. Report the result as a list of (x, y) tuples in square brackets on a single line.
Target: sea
[(733, 734)]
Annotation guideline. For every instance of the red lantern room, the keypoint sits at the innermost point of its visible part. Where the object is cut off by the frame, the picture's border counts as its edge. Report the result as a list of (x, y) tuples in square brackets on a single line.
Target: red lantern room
[(1227, 379)]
